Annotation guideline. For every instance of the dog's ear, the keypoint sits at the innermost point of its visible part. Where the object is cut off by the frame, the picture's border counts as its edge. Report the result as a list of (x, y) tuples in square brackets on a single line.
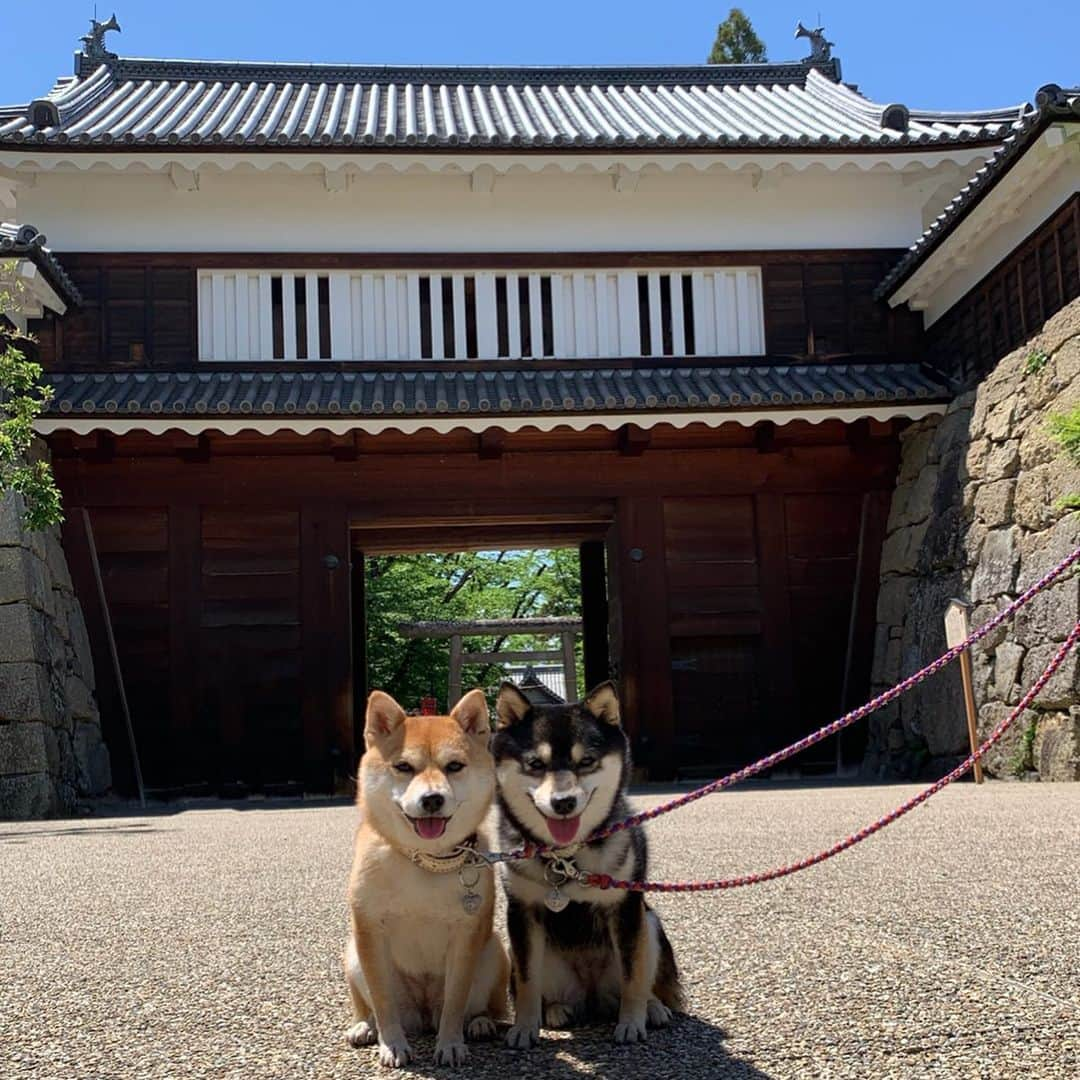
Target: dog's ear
[(384, 716), (471, 713), (511, 706), (603, 703)]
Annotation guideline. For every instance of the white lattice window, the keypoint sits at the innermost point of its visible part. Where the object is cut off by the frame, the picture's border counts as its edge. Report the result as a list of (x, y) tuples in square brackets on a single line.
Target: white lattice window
[(344, 315)]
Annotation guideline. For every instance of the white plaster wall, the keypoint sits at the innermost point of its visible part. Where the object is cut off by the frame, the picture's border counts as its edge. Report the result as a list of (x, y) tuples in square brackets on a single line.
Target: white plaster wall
[(999, 243), (245, 210)]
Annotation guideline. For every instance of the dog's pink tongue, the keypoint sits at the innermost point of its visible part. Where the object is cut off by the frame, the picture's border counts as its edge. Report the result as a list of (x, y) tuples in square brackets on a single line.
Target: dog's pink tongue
[(564, 829), (431, 828)]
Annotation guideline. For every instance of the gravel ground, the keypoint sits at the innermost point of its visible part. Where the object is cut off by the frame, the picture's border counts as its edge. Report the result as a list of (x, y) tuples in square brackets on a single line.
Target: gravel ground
[(204, 942)]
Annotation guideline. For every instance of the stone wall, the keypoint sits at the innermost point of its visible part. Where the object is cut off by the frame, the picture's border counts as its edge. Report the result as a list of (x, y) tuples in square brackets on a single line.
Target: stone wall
[(973, 516), (51, 750)]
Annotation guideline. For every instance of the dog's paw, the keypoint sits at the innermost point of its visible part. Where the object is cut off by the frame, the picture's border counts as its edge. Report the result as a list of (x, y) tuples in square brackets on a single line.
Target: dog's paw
[(658, 1014), (523, 1036), (451, 1053), (630, 1031), (361, 1034), (481, 1027), (557, 1015), (395, 1054)]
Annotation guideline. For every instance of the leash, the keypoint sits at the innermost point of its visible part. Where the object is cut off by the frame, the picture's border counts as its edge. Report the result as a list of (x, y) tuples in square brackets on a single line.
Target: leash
[(563, 858), (604, 881)]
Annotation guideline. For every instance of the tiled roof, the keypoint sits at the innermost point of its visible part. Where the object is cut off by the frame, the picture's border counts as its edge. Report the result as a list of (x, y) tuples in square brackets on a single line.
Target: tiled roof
[(1052, 104), (430, 392), (160, 103), (25, 242)]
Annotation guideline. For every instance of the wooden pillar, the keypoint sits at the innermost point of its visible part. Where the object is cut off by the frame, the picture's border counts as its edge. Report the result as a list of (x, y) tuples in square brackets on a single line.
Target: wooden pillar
[(326, 635), (453, 693), (594, 613), (776, 641), (185, 601), (357, 583), (636, 555), (569, 662)]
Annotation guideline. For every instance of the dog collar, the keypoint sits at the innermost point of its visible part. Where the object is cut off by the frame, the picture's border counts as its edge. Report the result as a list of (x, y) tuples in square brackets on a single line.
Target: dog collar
[(462, 855)]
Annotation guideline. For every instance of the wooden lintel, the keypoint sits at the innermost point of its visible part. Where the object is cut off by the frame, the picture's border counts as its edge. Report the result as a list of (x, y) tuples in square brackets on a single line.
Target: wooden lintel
[(103, 450), (491, 443), (858, 434), (765, 437), (633, 440), (195, 452), (344, 447), (512, 656)]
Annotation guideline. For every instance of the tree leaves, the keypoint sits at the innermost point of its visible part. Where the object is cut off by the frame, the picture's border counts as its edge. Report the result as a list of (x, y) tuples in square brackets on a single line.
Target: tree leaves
[(461, 585), (736, 42)]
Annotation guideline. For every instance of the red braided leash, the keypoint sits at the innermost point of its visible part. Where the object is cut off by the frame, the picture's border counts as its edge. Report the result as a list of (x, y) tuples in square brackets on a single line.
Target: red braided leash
[(603, 881), (530, 850)]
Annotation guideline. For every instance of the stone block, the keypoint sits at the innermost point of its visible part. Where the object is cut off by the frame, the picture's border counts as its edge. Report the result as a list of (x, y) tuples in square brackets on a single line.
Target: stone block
[(1003, 460), (12, 531), (1057, 746), (29, 796), (994, 503), (1007, 660), (1037, 489), (1059, 328), (1067, 362), (56, 561), (1004, 758), (996, 570), (22, 634), (1063, 689), (25, 694), (93, 770), (953, 435), (900, 552), (1050, 615), (915, 450), (976, 457), (79, 699), (80, 644), (23, 749), (999, 420), (22, 578), (892, 600), (1036, 445)]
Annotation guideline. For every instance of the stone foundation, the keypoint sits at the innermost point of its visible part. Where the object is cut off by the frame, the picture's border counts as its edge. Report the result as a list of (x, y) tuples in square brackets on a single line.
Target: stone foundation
[(51, 750), (973, 516)]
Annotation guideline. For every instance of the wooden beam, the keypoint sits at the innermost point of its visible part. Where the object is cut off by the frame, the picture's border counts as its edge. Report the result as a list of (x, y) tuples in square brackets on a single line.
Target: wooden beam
[(555, 624), (197, 452), (634, 440), (491, 443), (358, 585), (765, 437), (185, 601), (513, 656)]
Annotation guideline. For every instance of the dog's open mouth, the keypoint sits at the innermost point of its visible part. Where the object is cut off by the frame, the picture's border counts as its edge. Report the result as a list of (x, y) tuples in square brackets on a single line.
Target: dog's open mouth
[(429, 828), (563, 829)]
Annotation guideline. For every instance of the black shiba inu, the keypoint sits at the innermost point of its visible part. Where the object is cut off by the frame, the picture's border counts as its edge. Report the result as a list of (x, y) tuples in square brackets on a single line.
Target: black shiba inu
[(579, 953)]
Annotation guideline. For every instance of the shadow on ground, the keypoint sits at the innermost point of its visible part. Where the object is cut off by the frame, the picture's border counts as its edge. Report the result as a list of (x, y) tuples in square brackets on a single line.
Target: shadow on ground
[(690, 1047)]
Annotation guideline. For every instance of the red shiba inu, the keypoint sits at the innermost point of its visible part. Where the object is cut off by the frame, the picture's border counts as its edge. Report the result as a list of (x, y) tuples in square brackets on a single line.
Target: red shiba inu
[(422, 954)]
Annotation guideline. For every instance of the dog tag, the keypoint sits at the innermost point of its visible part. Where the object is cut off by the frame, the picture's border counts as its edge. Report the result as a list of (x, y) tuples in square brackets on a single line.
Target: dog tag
[(471, 903), (555, 900)]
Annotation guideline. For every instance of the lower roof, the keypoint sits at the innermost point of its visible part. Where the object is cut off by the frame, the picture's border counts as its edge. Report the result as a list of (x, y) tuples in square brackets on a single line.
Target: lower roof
[(510, 399)]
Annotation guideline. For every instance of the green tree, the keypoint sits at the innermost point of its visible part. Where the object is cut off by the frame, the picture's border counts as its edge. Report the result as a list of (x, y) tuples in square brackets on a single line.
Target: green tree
[(736, 42), (462, 585), (22, 399)]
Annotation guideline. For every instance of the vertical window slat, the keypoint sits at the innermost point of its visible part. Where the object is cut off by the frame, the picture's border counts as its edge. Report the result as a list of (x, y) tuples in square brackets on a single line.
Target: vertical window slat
[(311, 307), (678, 325), (367, 316), (656, 330), (206, 317), (513, 317), (243, 342), (217, 348), (460, 331), (487, 324), (603, 347), (629, 319), (579, 287), (560, 347), (536, 317), (341, 346), (704, 316), (288, 315), (266, 319), (392, 316), (412, 306)]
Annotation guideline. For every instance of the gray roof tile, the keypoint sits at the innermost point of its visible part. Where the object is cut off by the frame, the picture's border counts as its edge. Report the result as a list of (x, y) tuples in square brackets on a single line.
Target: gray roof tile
[(132, 102), (413, 393), (25, 242)]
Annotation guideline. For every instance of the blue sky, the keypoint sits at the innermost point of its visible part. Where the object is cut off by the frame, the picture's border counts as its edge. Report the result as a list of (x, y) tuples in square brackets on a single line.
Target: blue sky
[(944, 55)]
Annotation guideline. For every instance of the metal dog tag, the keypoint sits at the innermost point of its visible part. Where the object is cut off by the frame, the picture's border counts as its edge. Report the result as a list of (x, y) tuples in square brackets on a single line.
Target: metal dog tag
[(556, 900), (471, 903)]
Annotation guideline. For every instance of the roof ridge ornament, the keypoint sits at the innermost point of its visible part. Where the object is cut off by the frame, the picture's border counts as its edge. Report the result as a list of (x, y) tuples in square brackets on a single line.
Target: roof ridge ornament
[(820, 49), (94, 42)]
